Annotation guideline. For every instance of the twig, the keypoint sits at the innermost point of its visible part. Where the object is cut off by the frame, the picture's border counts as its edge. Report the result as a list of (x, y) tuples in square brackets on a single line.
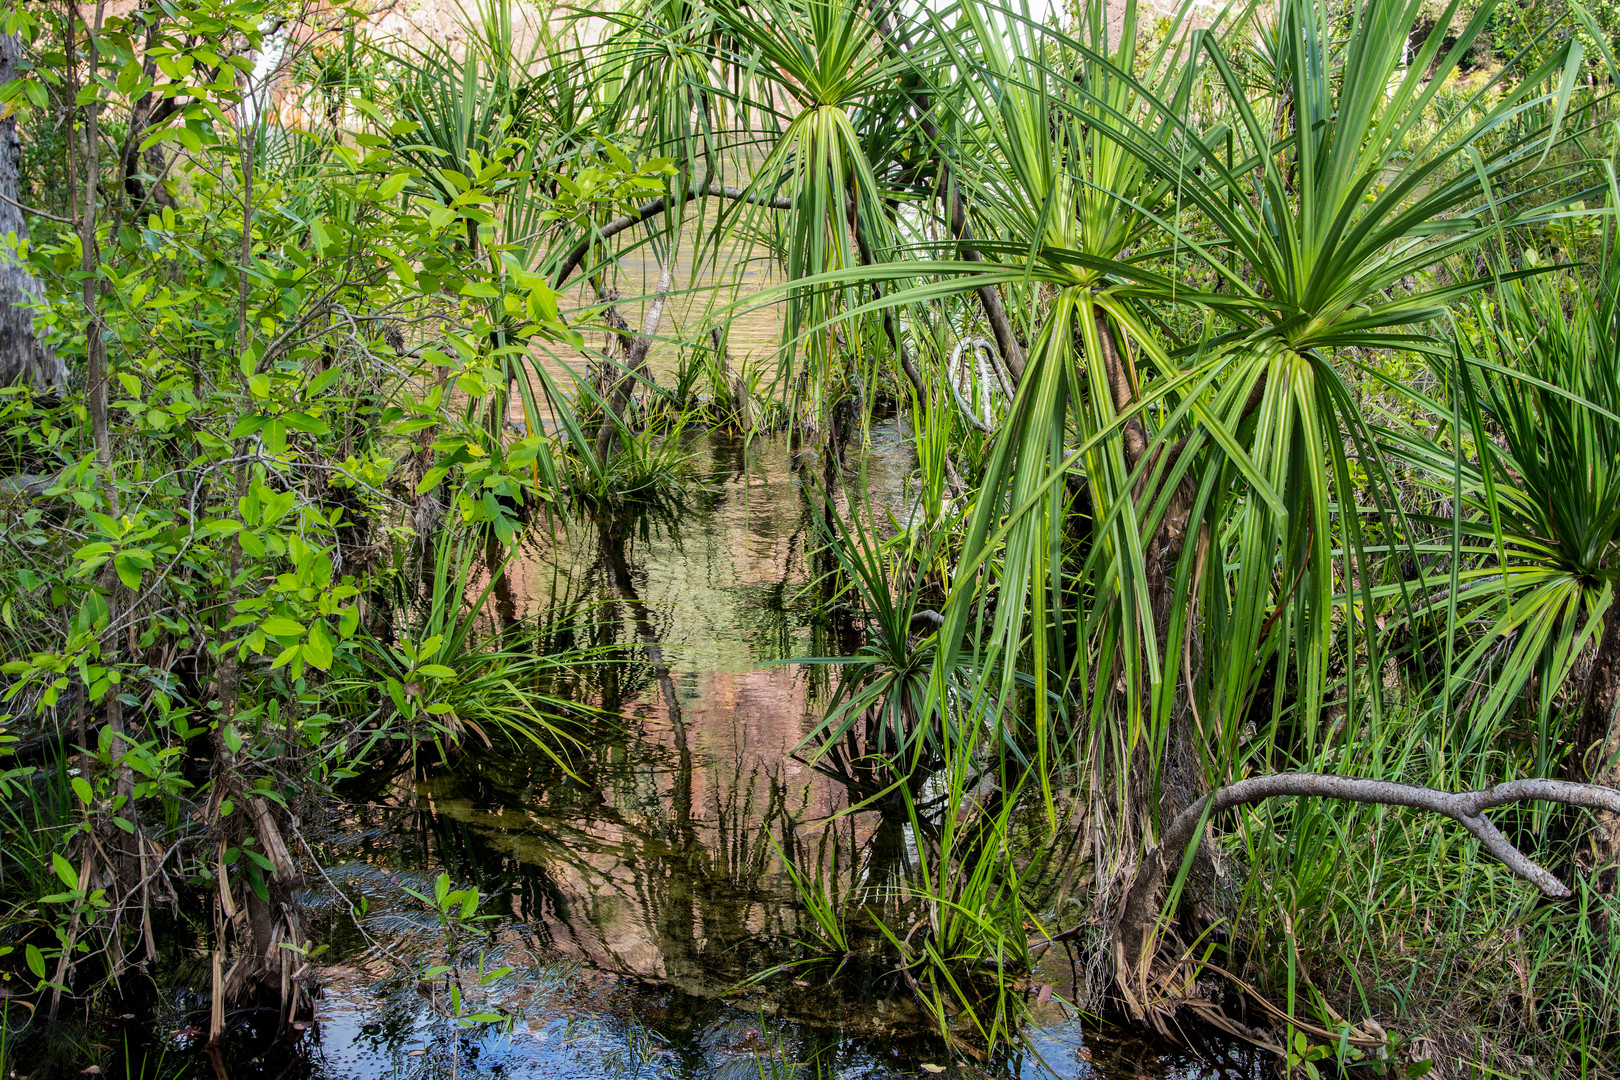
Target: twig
[(37, 213)]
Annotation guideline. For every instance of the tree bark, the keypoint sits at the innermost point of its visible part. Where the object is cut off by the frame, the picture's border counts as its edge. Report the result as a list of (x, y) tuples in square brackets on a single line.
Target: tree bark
[(1597, 741), (23, 357), (1597, 737)]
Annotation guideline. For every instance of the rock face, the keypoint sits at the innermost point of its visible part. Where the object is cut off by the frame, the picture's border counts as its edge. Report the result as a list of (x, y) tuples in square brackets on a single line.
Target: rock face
[(23, 357)]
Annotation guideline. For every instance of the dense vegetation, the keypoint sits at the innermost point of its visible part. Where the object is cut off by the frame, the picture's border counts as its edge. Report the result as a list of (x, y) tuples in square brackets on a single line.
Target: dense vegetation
[(1262, 372)]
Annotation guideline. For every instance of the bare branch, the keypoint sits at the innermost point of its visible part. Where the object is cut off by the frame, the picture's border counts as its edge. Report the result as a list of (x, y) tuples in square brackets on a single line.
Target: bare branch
[(1134, 939), (635, 360), (653, 209), (1466, 808), (36, 211)]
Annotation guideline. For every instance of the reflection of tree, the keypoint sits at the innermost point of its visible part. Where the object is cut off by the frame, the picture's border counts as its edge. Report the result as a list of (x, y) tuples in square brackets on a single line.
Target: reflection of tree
[(660, 862), (635, 888), (661, 866), (618, 567)]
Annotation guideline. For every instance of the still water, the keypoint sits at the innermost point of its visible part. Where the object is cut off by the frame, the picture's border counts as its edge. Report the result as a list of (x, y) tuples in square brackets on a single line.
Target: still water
[(632, 899)]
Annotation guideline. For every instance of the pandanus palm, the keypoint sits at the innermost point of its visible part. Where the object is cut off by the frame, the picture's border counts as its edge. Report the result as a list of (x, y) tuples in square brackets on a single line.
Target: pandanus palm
[(662, 84), (1532, 554), (1342, 184), (1063, 204), (464, 103), (1348, 195), (820, 63)]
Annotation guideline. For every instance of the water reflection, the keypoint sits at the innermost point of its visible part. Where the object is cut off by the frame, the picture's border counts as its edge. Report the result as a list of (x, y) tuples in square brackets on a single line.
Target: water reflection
[(633, 897), (663, 861)]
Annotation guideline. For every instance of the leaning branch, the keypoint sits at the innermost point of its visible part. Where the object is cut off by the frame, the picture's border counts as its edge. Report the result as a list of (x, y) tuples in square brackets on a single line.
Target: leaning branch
[(1133, 937), (1466, 808), (635, 360), (653, 209)]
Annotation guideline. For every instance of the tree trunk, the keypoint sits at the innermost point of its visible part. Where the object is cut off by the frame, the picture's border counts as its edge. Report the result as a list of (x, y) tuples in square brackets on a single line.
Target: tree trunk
[(23, 357), (635, 362), (1597, 741), (1596, 735), (1181, 772)]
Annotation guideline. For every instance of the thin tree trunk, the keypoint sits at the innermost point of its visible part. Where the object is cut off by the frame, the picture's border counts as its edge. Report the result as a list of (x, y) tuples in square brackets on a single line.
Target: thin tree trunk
[(23, 357), (95, 345), (1122, 387), (96, 376), (635, 362), (113, 860)]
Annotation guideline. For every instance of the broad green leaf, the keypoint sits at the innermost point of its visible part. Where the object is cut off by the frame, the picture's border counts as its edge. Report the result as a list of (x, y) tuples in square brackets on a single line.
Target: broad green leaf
[(65, 871)]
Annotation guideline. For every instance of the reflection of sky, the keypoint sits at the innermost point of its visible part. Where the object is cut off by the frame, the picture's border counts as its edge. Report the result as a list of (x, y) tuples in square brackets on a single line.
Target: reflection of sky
[(568, 1044), (588, 1030)]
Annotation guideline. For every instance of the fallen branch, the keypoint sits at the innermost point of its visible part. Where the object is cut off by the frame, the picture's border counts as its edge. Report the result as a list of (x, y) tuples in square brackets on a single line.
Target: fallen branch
[(1133, 939), (1466, 808)]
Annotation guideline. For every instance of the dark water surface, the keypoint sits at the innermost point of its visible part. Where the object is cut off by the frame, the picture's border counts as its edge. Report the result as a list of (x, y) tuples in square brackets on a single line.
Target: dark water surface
[(632, 899)]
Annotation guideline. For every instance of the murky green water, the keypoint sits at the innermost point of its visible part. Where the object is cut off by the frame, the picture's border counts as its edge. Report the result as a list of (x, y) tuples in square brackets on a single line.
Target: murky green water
[(631, 899)]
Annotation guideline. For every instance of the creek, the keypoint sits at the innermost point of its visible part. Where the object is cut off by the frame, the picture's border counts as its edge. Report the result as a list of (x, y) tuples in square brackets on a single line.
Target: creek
[(633, 898)]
